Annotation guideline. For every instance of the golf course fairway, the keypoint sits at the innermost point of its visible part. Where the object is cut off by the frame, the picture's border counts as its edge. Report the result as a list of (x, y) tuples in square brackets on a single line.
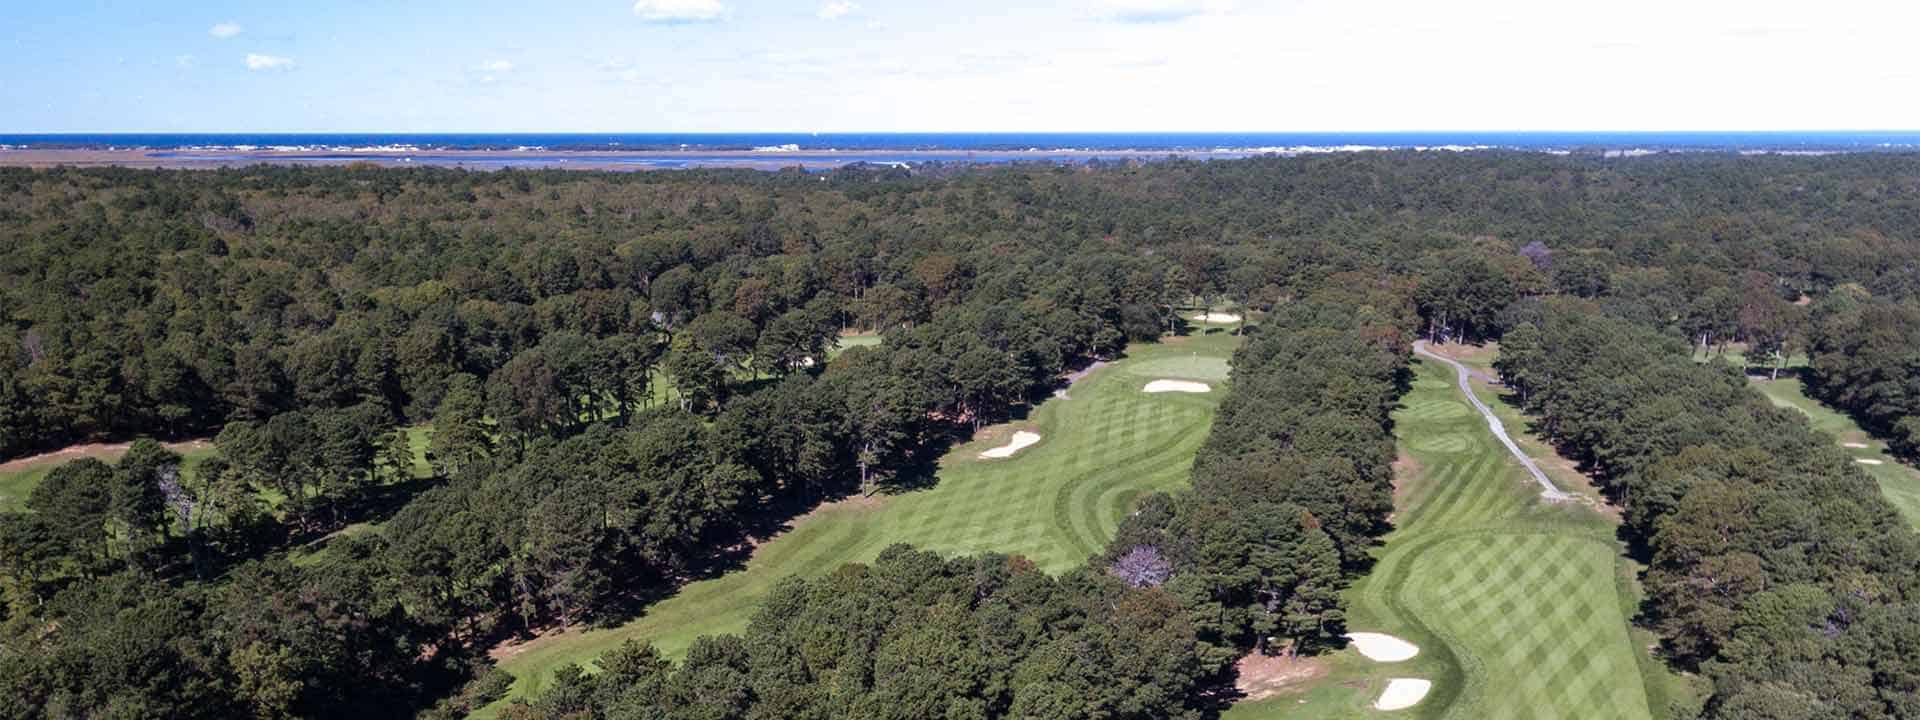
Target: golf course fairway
[(1056, 502), (1519, 606)]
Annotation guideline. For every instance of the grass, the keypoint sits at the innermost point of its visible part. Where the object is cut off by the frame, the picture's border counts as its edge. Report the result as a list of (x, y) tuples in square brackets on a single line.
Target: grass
[(844, 342), (1520, 607), (17, 483), (1056, 503), (1736, 353)]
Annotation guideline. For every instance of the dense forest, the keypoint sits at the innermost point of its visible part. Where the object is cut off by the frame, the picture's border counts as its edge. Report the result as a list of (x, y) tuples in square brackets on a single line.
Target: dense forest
[(626, 377)]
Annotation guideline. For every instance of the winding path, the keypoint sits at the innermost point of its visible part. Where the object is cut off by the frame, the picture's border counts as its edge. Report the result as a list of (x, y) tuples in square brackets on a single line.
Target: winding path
[(1548, 489)]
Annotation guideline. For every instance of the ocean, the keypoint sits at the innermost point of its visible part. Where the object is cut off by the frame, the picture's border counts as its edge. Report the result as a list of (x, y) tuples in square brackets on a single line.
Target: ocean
[(770, 150)]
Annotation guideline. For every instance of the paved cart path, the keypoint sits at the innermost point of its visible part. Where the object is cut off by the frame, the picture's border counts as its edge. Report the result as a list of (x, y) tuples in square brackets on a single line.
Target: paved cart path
[(1548, 489)]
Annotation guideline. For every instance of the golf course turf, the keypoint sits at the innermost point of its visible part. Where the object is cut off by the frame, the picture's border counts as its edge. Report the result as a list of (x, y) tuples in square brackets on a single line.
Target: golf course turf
[(1056, 503), (1519, 607)]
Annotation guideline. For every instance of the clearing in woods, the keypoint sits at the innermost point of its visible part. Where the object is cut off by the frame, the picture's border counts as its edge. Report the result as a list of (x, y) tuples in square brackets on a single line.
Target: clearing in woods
[(1898, 482), (1056, 502), (1520, 607), (18, 477)]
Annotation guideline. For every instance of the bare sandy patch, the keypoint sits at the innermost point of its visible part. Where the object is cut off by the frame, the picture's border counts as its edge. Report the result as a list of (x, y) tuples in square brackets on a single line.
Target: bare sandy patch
[(1185, 386), (1383, 648), (1076, 376), (1403, 693), (1869, 461), (1216, 318), (1405, 467), (1018, 442), (1854, 445), (1263, 676), (514, 646)]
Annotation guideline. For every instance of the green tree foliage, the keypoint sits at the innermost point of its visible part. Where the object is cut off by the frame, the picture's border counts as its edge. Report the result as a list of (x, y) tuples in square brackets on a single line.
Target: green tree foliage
[(915, 636), (1866, 361)]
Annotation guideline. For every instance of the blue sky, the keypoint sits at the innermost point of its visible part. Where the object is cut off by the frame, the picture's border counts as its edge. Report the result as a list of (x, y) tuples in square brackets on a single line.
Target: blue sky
[(875, 65)]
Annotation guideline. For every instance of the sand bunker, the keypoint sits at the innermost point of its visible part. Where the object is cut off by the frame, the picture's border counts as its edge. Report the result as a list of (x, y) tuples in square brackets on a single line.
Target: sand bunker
[(1186, 386), (1856, 446), (1019, 442), (1383, 648), (1216, 318), (1403, 693), (1869, 461)]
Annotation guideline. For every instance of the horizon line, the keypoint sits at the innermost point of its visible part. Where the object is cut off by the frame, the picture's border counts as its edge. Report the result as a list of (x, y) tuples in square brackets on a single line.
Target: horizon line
[(1915, 130)]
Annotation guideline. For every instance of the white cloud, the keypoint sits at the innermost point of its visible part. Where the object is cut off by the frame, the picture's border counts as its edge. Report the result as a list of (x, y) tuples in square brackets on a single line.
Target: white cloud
[(224, 30), (1157, 11), (496, 66), (268, 62), (679, 11), (836, 9)]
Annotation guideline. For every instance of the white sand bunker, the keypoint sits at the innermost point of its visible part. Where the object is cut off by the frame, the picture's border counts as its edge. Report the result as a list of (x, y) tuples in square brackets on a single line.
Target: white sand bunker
[(1383, 648), (1856, 446), (1019, 442), (1186, 386), (1216, 318), (1403, 693), (1869, 461)]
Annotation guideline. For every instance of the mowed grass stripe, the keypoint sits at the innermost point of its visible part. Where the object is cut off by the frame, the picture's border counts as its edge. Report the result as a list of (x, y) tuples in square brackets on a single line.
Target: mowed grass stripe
[(1439, 481), (1149, 468), (1492, 492), (1056, 503), (1461, 477), (1572, 648)]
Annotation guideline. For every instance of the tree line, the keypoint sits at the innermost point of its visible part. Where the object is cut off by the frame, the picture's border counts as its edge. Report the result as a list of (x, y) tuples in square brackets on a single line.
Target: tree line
[(170, 303), (1865, 359)]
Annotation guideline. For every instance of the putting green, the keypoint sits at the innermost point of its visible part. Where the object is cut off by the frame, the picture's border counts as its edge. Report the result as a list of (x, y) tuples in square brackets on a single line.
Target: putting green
[(1190, 367), (1520, 608), (1056, 503)]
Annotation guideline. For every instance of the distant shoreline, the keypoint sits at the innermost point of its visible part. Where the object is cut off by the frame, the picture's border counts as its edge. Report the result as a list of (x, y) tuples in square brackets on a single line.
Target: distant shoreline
[(762, 159), (559, 159)]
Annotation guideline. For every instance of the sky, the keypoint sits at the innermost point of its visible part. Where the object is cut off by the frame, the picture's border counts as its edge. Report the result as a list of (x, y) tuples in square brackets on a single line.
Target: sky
[(981, 65)]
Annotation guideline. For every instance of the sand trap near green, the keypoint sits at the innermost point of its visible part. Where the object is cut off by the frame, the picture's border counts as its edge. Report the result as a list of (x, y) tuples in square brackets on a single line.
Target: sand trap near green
[(1216, 318), (1020, 441), (1185, 386), (1403, 693), (1380, 647)]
